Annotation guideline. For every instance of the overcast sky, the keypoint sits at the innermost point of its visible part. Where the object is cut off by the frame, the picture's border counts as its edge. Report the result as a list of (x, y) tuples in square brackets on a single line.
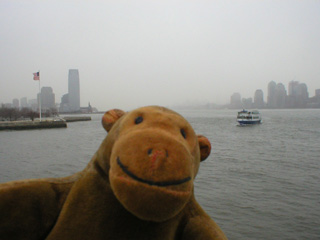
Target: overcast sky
[(136, 53)]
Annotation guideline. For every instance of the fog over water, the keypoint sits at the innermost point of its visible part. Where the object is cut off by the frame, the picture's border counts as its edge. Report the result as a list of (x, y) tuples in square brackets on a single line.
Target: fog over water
[(134, 53)]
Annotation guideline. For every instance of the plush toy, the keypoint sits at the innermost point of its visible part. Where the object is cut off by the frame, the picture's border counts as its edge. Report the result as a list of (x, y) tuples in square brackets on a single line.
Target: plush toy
[(138, 185)]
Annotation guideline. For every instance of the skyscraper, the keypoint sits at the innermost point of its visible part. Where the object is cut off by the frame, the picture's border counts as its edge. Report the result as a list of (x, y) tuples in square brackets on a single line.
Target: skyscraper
[(47, 99), (24, 102), (281, 96), (298, 94), (235, 101), (272, 94), (74, 90), (258, 99), (293, 88), (15, 103), (303, 91)]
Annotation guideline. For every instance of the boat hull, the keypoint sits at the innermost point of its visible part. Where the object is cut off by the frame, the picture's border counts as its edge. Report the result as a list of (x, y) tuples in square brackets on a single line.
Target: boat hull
[(244, 122)]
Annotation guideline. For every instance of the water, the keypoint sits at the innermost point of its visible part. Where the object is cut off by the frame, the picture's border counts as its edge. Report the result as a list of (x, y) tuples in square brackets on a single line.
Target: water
[(260, 182)]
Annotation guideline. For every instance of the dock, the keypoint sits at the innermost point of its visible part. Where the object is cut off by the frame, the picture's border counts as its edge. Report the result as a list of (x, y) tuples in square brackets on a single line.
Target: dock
[(76, 118), (24, 125)]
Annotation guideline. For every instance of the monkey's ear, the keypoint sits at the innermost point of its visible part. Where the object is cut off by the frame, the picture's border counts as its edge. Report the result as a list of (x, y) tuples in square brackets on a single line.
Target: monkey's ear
[(110, 117), (205, 147)]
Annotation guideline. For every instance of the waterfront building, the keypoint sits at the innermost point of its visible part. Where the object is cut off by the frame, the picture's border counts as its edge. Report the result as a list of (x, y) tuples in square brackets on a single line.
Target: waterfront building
[(293, 88), (303, 91), (271, 102), (298, 95), (24, 102), (33, 104), (258, 99), (303, 95), (74, 90), (247, 103), (47, 99), (64, 105), (7, 105), (281, 96), (15, 103), (235, 101), (88, 109), (314, 102)]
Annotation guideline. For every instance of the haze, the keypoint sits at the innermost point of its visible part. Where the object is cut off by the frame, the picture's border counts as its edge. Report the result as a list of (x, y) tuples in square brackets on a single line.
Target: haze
[(136, 53)]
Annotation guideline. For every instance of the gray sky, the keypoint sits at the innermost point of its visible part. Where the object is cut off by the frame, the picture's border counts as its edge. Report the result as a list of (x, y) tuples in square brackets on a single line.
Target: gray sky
[(136, 53)]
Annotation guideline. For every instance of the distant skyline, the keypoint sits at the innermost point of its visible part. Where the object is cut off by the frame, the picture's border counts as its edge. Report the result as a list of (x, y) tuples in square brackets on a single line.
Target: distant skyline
[(266, 92), (264, 96), (135, 53)]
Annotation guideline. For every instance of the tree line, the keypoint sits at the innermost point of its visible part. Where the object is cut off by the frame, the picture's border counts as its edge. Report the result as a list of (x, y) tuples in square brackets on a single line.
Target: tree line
[(14, 114)]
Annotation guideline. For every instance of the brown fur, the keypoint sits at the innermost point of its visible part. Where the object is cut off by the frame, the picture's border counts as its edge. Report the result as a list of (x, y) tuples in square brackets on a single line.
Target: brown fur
[(138, 185)]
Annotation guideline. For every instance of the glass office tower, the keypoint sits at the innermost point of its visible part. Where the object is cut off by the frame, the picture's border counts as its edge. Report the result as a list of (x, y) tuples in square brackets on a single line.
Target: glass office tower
[(74, 90)]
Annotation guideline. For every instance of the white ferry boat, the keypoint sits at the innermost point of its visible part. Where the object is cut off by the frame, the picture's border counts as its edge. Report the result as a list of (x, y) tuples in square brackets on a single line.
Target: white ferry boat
[(245, 117)]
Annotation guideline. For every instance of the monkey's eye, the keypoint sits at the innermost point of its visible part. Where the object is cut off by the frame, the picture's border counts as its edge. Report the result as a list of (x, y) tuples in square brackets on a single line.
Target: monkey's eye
[(183, 133), (138, 120)]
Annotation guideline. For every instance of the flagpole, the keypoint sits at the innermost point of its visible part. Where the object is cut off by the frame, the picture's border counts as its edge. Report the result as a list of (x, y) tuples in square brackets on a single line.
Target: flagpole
[(36, 76), (39, 98)]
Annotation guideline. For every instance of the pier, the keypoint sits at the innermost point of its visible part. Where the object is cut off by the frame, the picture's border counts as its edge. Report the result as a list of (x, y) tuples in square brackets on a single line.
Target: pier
[(24, 125), (76, 118), (48, 123)]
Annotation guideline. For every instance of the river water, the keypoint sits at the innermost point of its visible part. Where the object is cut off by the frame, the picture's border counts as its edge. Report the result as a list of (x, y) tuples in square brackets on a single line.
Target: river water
[(260, 182)]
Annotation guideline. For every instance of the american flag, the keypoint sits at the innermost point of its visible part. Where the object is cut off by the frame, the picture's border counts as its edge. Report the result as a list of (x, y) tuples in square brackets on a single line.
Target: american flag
[(36, 76)]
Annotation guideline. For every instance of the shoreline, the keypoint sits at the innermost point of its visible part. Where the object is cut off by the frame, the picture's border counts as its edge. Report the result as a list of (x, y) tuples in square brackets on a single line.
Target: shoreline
[(76, 118), (48, 123), (26, 125)]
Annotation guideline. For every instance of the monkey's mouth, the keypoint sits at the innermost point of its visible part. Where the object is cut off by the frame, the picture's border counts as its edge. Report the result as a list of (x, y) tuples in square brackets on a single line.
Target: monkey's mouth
[(149, 182)]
